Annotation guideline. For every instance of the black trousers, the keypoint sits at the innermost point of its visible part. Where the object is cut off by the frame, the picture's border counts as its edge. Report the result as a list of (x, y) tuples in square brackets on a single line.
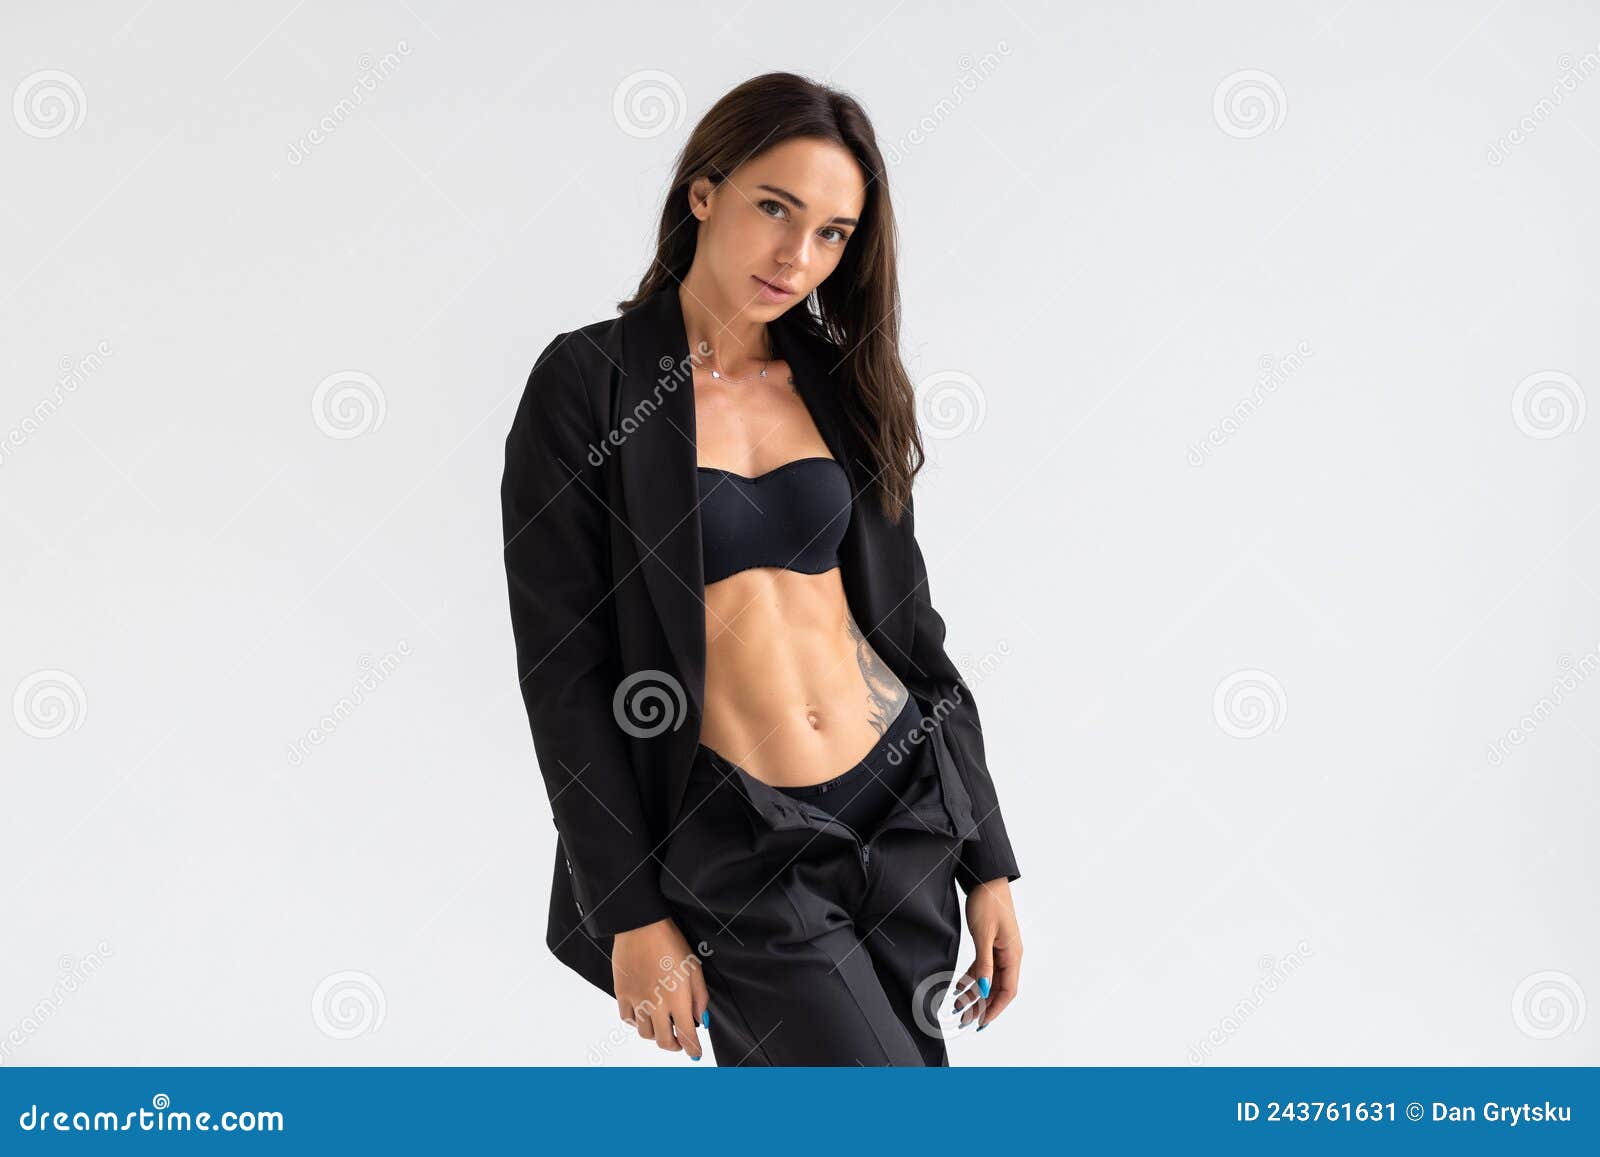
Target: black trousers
[(821, 944)]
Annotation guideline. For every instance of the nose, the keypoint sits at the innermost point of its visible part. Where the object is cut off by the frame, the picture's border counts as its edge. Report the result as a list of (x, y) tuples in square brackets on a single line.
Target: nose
[(797, 261)]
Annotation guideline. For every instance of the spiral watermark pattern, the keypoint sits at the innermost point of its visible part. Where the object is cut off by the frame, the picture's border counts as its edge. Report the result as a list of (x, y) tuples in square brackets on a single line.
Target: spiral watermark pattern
[(1548, 1004), (950, 403), (348, 1004), (648, 103), (49, 103), (934, 1013), (1248, 103), (348, 404), (49, 703), (1249, 703), (649, 702), (1548, 404)]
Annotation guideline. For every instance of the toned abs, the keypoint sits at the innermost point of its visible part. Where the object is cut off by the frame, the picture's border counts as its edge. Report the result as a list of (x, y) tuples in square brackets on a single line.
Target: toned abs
[(794, 693)]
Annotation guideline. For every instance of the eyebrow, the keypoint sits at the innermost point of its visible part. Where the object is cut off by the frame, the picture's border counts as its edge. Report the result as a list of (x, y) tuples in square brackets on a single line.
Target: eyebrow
[(801, 205)]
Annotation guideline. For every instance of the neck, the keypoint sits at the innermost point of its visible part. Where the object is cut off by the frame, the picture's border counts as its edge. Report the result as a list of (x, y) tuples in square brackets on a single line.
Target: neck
[(739, 340)]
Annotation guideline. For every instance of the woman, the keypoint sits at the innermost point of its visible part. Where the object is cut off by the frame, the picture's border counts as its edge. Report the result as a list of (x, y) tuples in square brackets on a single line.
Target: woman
[(751, 735)]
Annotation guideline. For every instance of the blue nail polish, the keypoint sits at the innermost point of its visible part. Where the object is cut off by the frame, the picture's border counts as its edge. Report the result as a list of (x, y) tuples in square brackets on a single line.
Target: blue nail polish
[(705, 1019), (694, 1058), (981, 1027), (983, 986)]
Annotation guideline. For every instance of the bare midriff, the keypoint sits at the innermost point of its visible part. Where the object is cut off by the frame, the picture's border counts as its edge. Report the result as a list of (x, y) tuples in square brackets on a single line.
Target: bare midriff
[(794, 693)]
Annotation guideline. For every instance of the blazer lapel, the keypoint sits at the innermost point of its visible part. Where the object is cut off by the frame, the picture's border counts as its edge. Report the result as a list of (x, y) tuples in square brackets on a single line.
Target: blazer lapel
[(655, 422)]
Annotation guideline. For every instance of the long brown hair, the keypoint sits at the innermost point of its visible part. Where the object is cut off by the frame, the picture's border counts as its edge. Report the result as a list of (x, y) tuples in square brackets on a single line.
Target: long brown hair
[(857, 308)]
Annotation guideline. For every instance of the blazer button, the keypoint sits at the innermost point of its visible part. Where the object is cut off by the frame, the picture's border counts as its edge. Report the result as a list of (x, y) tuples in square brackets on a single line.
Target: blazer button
[(569, 867), (578, 906)]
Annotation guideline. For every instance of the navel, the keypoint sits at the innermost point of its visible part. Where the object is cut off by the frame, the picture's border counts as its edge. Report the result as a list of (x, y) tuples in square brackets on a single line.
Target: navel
[(814, 719)]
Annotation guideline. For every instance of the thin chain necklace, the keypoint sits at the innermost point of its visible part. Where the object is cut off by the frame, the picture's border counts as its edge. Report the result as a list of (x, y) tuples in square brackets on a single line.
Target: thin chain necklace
[(717, 373)]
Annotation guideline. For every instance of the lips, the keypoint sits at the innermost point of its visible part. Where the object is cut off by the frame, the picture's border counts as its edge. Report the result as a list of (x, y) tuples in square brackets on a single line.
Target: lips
[(776, 285)]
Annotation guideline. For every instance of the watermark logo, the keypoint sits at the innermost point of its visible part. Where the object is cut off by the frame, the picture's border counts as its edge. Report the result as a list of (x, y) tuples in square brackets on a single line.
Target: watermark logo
[(49, 103), (74, 373), (1249, 703), (973, 73), (950, 403), (74, 973), (1573, 673), (649, 702), (1573, 73), (49, 703), (1548, 404), (348, 1004), (1249, 103), (1548, 1004), (1272, 373), (371, 73), (348, 404), (372, 673), (1275, 973), (648, 103)]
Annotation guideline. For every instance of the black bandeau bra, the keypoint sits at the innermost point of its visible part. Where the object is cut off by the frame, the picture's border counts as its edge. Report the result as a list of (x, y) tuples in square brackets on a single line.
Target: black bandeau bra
[(793, 517)]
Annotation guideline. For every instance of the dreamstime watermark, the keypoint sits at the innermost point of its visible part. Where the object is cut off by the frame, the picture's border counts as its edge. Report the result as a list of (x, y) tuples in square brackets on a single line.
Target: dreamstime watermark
[(348, 1004), (933, 1005), (974, 71), (348, 404), (945, 706), (74, 973), (648, 103), (1548, 1004), (1272, 373), (1573, 73), (950, 403), (373, 72), (975, 671), (1248, 103), (1573, 673), (673, 375), (49, 703), (1548, 404), (71, 374), (159, 1117), (1249, 703), (1276, 971), (674, 974), (372, 673), (49, 103), (649, 702)]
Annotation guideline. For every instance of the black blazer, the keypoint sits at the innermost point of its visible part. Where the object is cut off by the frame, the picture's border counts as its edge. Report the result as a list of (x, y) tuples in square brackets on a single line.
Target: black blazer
[(599, 500)]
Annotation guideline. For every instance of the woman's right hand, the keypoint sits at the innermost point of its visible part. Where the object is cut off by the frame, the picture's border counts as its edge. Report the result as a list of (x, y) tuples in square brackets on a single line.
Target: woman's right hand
[(661, 986)]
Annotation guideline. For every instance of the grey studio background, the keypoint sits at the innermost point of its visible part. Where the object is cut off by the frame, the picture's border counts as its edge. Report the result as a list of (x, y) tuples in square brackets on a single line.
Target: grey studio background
[(1257, 348)]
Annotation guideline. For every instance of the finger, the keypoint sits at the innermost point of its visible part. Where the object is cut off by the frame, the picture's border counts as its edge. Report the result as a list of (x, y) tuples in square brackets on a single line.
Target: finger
[(969, 999), (688, 1037), (1008, 974), (661, 1021), (641, 1021), (702, 995), (981, 970)]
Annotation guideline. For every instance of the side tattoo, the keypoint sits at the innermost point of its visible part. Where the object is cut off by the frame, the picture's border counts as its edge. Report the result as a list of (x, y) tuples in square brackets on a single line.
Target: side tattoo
[(886, 695)]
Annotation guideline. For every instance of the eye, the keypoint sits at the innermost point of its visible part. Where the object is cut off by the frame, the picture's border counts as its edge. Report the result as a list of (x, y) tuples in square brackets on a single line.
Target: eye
[(779, 205), (842, 235)]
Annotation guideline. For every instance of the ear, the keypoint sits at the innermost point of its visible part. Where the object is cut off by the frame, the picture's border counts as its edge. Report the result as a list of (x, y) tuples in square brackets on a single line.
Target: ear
[(700, 190)]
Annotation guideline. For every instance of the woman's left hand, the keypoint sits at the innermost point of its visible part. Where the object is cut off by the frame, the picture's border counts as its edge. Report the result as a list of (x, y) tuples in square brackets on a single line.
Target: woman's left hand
[(991, 982)]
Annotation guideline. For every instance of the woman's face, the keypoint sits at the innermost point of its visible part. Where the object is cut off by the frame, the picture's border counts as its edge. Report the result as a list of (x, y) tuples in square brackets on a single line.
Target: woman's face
[(783, 218)]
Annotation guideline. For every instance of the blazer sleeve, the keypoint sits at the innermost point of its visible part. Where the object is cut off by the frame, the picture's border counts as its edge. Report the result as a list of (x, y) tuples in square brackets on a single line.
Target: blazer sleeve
[(559, 575), (989, 856)]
